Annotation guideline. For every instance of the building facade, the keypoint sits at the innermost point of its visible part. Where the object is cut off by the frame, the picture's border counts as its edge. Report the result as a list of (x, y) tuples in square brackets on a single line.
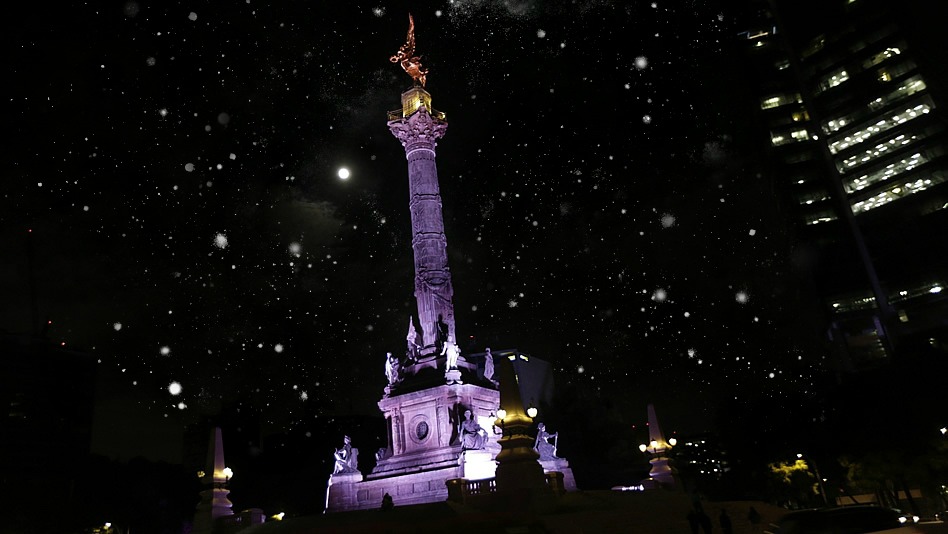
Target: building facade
[(850, 102)]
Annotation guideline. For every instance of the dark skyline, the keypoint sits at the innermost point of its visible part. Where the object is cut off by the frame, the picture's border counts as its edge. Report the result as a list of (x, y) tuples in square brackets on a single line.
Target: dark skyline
[(173, 181)]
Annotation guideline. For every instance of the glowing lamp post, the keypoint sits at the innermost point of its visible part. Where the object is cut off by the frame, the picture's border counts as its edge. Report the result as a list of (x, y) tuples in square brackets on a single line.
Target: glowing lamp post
[(661, 474)]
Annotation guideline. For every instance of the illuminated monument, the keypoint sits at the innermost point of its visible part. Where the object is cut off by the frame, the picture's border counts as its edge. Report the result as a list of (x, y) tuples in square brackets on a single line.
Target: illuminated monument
[(440, 411)]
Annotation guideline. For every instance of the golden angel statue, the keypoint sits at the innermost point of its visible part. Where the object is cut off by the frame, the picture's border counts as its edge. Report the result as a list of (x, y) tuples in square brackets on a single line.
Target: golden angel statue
[(407, 58)]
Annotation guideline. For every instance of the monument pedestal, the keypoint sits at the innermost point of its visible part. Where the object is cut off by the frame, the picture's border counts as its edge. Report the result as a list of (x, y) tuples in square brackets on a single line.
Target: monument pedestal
[(453, 376), (341, 490), (560, 465)]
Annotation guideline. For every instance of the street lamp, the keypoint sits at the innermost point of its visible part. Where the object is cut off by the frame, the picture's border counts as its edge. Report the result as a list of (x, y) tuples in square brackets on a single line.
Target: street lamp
[(657, 451), (532, 412)]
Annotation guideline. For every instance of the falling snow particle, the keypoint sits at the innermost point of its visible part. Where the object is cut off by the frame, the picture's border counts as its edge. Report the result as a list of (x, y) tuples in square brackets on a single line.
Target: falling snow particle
[(174, 388), (641, 62), (646, 119), (541, 34), (189, 167), (220, 241), (295, 249), (512, 303), (668, 220), (741, 297), (580, 369), (659, 295), (117, 326), (192, 16), (278, 347), (378, 11), (165, 351), (752, 231)]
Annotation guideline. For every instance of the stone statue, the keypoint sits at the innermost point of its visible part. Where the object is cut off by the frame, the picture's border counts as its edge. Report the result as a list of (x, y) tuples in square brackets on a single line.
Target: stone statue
[(380, 454), (452, 352), (411, 355), (471, 433), (347, 458), (543, 446), (406, 56), (392, 368), (489, 366), (441, 332)]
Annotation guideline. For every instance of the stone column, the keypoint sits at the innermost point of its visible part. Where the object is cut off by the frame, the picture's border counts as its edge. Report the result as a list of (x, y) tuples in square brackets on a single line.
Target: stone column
[(419, 131)]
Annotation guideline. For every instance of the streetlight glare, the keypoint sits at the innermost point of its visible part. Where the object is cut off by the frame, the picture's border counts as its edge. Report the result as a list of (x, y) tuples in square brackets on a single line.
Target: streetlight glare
[(343, 173), (502, 413)]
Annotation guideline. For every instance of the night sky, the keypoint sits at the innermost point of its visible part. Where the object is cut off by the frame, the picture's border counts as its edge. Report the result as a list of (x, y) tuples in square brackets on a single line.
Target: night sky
[(172, 171)]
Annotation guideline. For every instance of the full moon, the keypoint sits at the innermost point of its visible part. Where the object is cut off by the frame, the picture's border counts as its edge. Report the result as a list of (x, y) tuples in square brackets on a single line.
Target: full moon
[(343, 173)]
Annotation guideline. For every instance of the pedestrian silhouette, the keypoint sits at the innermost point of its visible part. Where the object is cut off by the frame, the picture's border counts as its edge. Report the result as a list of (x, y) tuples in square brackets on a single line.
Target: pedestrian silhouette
[(754, 517), (387, 503), (726, 522), (693, 522), (705, 521)]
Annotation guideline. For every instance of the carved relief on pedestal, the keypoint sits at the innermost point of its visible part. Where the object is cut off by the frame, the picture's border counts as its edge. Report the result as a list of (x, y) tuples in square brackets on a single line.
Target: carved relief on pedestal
[(398, 431), (442, 424)]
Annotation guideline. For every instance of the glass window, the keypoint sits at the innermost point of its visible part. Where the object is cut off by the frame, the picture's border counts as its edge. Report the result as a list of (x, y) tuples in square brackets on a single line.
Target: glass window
[(898, 191), (879, 151), (909, 87), (890, 171), (819, 217), (780, 100), (815, 46), (833, 80), (884, 124), (792, 136), (874, 60)]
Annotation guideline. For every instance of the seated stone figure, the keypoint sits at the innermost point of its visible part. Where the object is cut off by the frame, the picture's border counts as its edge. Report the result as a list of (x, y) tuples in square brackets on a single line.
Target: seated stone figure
[(473, 436), (347, 458), (546, 450)]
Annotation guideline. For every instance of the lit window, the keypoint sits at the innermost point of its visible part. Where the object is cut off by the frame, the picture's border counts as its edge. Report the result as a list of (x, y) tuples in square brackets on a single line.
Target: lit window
[(819, 217), (909, 87), (881, 56), (889, 171), (779, 100), (897, 192), (833, 80), (884, 76), (882, 125), (800, 116)]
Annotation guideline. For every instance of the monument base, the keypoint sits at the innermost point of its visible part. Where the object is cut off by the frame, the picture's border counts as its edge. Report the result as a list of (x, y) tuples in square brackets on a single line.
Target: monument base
[(560, 465), (453, 376)]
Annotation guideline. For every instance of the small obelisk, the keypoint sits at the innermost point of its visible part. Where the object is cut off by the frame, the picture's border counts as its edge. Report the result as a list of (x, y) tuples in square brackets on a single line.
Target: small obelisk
[(214, 502), (418, 127)]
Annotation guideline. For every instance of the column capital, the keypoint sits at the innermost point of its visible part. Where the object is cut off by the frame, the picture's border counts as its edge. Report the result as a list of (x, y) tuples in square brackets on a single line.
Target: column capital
[(420, 130)]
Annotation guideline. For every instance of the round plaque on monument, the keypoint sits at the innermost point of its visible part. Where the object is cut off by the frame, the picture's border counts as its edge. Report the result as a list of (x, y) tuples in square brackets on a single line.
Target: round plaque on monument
[(420, 429)]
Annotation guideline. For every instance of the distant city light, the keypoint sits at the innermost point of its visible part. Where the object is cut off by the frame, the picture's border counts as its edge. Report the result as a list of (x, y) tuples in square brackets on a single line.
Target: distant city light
[(935, 289)]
